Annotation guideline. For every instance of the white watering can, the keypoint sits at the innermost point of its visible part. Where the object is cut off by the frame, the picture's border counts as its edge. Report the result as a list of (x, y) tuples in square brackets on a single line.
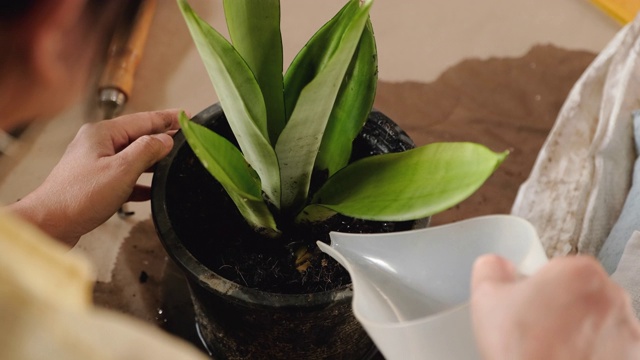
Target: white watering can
[(411, 289)]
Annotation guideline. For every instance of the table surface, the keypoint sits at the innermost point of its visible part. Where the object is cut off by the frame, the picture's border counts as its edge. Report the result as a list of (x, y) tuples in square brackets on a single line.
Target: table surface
[(417, 41)]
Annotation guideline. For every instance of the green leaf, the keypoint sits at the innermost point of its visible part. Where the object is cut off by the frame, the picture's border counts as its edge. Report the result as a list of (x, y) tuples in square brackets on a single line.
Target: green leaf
[(314, 56), (241, 100), (352, 107), (405, 186), (300, 140), (259, 42), (225, 162)]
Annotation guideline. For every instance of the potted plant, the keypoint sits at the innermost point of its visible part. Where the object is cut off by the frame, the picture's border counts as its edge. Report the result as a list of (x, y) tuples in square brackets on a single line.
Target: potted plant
[(291, 159)]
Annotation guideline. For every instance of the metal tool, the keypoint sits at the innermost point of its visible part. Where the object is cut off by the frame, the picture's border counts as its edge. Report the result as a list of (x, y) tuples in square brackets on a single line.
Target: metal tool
[(125, 53)]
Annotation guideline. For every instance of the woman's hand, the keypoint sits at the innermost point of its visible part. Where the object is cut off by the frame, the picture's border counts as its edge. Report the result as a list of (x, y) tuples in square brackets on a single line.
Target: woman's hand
[(98, 173), (570, 309)]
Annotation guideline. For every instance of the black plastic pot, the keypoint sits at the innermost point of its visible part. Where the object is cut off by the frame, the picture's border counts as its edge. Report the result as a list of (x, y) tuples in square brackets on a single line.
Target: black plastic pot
[(237, 322)]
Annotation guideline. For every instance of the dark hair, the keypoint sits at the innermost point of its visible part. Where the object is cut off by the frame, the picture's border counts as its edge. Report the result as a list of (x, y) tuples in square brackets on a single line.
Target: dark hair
[(99, 17), (10, 10)]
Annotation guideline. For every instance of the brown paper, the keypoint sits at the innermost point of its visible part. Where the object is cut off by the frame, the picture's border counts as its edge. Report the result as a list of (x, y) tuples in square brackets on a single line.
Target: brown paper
[(503, 103)]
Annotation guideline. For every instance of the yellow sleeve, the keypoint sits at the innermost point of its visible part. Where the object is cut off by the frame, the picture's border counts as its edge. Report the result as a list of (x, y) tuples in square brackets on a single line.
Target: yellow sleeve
[(46, 310)]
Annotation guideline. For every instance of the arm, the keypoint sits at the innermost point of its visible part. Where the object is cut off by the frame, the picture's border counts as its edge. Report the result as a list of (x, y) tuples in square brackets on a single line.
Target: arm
[(570, 309), (98, 173)]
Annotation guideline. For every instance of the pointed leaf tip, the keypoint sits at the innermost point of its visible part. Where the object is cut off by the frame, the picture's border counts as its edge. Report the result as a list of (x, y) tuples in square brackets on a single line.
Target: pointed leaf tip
[(409, 185)]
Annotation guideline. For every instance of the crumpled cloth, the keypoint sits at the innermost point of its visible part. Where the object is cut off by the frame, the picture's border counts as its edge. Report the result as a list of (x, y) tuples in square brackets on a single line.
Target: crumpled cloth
[(626, 275), (583, 194), (582, 175), (621, 251), (629, 220)]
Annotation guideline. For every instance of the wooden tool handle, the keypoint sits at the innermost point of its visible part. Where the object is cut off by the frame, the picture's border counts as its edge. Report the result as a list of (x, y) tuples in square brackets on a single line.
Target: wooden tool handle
[(125, 54)]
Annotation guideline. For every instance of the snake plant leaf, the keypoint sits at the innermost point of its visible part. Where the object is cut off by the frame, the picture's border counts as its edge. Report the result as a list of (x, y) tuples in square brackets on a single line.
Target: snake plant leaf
[(405, 186), (352, 106), (227, 165), (259, 42), (314, 55), (298, 145), (240, 98)]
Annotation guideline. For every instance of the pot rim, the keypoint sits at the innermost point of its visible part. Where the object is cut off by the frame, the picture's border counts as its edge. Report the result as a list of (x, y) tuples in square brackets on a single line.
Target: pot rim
[(197, 271)]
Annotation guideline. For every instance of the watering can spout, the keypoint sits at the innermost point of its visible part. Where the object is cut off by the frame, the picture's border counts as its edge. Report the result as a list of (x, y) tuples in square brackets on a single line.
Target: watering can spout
[(411, 289)]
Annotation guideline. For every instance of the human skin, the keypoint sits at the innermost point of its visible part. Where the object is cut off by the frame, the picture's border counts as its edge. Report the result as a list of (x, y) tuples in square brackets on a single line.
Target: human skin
[(97, 173), (49, 52), (569, 309)]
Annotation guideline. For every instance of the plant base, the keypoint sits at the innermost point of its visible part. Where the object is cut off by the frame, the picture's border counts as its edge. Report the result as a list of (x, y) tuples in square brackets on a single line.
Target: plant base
[(236, 321)]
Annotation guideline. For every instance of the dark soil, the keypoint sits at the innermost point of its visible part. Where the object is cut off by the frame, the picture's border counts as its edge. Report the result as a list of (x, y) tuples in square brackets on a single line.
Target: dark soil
[(205, 218)]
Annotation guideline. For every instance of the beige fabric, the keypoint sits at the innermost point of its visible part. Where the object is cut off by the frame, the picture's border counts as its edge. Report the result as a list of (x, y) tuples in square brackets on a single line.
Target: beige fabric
[(583, 172), (46, 310)]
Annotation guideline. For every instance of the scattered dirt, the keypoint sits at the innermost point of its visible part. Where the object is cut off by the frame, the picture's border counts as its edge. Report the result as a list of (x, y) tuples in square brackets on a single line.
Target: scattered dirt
[(136, 286)]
